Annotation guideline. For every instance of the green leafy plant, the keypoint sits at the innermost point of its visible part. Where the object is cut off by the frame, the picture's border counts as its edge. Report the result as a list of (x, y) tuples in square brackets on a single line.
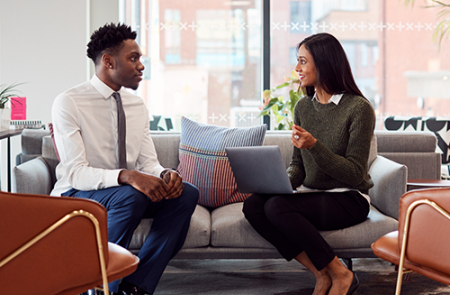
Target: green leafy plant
[(7, 92), (280, 108), (443, 27)]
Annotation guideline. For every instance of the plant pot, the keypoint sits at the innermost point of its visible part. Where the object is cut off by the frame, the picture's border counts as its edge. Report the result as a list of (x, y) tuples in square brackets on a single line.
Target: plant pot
[(5, 117)]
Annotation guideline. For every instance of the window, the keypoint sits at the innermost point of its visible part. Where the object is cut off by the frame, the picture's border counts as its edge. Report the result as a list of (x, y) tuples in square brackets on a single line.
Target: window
[(204, 58), (354, 5), (375, 55), (300, 16), (293, 56), (172, 36), (364, 54), (390, 49)]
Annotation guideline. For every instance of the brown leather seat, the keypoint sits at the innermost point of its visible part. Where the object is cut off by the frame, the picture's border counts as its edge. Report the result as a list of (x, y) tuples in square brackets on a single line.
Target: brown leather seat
[(425, 249), (49, 245)]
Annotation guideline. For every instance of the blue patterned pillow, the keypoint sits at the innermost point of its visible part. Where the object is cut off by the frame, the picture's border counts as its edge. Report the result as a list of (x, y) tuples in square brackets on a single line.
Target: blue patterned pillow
[(203, 160)]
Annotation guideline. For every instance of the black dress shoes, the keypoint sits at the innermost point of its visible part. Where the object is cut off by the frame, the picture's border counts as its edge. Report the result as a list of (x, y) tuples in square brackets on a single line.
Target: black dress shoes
[(133, 291), (126, 288), (354, 285)]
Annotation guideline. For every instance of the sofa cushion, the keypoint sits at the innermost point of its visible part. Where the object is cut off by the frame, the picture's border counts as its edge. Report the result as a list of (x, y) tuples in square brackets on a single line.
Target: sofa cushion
[(438, 125), (420, 165), (33, 176), (198, 234), (167, 144), (406, 141), (52, 135), (373, 151), (283, 140), (361, 235), (390, 180), (203, 160), (32, 141), (229, 228)]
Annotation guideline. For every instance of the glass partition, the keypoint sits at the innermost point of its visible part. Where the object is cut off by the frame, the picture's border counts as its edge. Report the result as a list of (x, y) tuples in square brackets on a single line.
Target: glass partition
[(203, 57)]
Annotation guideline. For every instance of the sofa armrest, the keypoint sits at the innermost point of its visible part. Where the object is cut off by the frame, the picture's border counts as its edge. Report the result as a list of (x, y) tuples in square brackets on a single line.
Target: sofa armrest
[(32, 177), (390, 179), (22, 158)]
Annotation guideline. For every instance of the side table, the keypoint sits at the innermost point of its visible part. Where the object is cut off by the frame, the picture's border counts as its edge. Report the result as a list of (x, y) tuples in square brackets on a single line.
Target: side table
[(426, 183), (8, 134)]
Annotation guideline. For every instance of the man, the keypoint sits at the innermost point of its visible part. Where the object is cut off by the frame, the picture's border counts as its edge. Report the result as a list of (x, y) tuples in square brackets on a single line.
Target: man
[(106, 154)]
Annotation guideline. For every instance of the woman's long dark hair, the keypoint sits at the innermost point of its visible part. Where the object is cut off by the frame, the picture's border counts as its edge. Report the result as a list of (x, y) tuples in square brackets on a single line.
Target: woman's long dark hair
[(333, 69)]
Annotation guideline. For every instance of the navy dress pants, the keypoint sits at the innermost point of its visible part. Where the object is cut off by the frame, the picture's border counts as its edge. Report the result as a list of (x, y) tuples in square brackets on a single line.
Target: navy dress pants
[(292, 222), (126, 208)]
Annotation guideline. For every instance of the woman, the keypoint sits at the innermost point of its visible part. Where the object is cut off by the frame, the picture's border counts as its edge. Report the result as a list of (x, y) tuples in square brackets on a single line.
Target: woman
[(333, 129)]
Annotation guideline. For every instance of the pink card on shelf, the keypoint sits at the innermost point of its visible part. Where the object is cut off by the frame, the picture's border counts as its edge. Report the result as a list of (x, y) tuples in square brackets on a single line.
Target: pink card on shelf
[(18, 108)]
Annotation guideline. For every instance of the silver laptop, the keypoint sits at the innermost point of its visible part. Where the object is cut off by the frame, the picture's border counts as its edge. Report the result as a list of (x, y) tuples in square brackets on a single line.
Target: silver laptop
[(259, 169)]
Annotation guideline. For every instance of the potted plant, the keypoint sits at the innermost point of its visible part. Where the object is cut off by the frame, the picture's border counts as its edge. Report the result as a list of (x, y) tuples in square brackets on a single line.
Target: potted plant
[(443, 27), (279, 108), (7, 92)]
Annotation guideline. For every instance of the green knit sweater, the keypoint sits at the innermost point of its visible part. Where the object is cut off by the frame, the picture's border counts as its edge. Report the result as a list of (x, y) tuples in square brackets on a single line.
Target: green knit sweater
[(339, 157)]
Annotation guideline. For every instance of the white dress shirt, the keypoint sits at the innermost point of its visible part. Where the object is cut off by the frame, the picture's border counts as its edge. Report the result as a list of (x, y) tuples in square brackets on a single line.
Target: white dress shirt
[(335, 98), (85, 129)]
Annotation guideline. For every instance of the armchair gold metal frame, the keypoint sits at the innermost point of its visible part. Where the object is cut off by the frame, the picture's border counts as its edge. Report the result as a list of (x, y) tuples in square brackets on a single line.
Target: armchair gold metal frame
[(57, 246), (406, 232), (37, 238)]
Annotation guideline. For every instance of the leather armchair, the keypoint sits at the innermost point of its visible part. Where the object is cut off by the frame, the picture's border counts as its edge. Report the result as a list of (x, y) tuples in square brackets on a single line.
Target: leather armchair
[(57, 245), (421, 242)]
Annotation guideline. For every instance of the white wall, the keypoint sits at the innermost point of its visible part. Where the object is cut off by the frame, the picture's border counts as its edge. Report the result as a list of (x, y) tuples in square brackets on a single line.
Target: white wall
[(101, 12), (43, 43)]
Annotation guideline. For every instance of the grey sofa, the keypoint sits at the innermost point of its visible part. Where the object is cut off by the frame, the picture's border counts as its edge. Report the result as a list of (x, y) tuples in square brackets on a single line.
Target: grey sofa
[(224, 233)]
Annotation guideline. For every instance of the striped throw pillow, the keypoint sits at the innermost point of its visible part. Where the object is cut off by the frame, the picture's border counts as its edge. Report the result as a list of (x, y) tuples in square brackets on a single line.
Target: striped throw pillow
[(203, 160)]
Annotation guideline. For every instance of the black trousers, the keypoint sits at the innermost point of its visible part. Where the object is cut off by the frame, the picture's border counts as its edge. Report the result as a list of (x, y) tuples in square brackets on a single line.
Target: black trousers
[(292, 222)]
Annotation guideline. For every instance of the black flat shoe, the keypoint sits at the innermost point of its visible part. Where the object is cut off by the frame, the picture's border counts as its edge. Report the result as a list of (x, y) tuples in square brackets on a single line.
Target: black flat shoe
[(354, 285)]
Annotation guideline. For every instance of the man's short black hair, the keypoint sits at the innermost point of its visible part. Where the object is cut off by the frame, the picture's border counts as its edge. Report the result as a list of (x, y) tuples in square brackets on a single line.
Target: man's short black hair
[(108, 39)]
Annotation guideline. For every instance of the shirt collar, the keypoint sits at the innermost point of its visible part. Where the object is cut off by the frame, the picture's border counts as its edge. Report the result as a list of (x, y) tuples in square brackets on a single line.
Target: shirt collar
[(335, 98), (101, 87)]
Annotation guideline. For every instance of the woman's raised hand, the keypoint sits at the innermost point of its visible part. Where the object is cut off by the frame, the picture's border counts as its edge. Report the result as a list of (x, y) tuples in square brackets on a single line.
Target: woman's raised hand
[(301, 138)]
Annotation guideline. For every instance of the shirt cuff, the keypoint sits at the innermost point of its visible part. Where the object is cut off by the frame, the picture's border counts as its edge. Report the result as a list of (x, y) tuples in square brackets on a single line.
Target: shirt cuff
[(112, 177), (157, 171)]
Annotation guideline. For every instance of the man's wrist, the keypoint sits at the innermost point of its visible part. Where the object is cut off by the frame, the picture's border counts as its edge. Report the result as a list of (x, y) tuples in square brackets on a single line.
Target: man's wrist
[(124, 177), (161, 175)]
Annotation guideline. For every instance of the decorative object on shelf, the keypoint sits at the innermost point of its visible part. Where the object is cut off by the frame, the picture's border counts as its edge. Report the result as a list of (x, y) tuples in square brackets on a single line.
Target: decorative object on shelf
[(279, 108), (6, 93), (5, 117), (21, 124), (19, 109)]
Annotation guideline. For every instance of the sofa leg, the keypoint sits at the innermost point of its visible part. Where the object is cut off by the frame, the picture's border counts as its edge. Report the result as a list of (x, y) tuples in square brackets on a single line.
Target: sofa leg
[(348, 262)]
